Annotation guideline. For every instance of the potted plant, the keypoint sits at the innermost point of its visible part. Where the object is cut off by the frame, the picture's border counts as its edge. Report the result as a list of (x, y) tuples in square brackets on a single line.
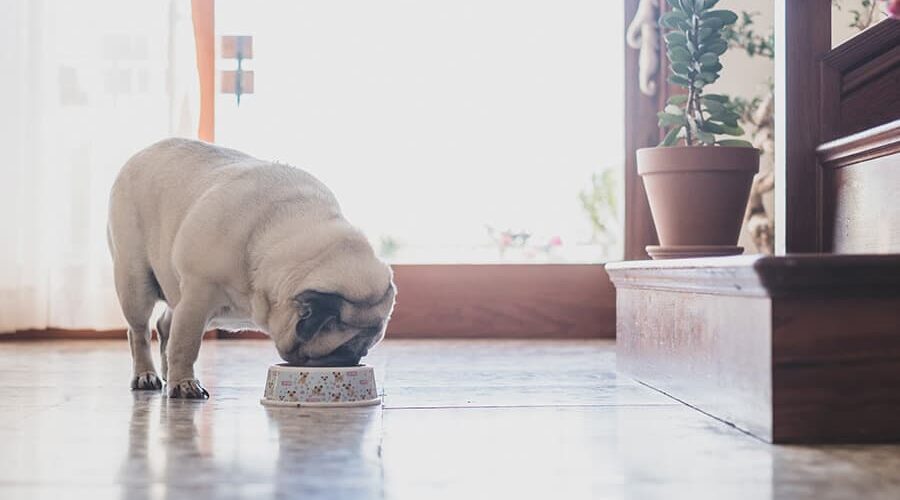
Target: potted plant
[(697, 183)]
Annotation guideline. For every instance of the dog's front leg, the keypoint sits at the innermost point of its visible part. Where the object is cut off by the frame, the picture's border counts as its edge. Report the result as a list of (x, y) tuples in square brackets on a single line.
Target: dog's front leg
[(189, 321)]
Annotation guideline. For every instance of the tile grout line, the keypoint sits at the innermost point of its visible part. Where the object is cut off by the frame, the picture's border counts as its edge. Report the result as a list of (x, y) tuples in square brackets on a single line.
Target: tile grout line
[(717, 419), (630, 405)]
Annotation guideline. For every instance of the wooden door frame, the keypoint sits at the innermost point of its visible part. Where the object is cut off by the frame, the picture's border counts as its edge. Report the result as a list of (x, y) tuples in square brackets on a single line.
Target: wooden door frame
[(798, 87), (203, 14), (505, 300), (641, 131)]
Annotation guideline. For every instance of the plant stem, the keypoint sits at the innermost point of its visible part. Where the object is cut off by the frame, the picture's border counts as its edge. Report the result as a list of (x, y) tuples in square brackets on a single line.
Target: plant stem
[(695, 115), (689, 136), (871, 14)]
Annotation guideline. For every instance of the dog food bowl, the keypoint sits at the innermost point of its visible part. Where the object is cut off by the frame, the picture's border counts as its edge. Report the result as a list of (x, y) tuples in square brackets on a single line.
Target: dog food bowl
[(320, 386)]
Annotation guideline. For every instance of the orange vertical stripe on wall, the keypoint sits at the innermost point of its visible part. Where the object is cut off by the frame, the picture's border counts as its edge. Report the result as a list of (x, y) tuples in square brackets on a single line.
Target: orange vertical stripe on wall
[(203, 14)]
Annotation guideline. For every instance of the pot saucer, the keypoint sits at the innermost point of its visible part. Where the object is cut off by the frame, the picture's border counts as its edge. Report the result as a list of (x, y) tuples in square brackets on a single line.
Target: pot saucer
[(658, 252)]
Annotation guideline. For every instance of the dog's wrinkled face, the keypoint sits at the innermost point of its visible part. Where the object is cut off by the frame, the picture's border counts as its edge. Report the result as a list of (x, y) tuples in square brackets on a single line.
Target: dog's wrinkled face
[(334, 331)]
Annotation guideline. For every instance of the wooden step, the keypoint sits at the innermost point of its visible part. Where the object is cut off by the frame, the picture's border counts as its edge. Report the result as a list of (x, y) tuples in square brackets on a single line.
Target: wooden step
[(795, 349)]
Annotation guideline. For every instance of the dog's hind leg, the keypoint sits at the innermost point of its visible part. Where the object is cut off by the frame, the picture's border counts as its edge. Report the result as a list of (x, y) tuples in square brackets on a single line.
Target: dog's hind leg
[(138, 292)]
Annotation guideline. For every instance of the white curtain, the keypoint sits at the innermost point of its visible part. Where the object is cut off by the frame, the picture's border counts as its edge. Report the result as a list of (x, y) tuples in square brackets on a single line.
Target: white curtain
[(84, 85)]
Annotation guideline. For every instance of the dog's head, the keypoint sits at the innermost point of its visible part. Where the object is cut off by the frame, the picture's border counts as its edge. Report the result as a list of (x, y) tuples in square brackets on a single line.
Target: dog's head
[(337, 310), (333, 330)]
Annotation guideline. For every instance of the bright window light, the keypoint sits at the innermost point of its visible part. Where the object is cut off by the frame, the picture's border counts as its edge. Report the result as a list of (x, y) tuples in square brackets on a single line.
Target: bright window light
[(451, 131)]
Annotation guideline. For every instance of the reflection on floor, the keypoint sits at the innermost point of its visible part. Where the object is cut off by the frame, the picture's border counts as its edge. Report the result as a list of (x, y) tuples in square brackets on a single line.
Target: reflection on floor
[(461, 420)]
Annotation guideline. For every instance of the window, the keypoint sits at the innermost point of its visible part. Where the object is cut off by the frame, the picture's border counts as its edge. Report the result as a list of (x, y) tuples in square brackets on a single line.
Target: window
[(484, 131)]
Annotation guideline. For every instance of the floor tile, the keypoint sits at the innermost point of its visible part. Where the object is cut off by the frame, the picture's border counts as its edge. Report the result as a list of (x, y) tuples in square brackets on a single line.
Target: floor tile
[(480, 419)]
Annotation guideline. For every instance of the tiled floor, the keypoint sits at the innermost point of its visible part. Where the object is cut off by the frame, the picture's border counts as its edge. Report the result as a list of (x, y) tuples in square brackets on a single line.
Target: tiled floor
[(461, 420)]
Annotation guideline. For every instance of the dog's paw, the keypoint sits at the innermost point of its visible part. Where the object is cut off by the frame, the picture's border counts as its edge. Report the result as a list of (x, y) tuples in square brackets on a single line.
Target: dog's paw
[(146, 381), (188, 388)]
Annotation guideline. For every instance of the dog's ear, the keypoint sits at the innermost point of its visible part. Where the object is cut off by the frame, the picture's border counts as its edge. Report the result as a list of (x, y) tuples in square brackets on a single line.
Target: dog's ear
[(316, 309)]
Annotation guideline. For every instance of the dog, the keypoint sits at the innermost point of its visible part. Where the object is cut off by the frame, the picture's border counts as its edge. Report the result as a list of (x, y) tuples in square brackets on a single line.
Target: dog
[(229, 241)]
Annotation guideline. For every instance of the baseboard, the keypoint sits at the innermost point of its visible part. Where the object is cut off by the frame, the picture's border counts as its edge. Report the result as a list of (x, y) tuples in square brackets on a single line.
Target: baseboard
[(473, 301), (66, 334)]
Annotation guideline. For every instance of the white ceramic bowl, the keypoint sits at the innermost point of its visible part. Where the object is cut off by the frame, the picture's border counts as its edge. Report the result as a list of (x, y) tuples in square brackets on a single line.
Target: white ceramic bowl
[(320, 386)]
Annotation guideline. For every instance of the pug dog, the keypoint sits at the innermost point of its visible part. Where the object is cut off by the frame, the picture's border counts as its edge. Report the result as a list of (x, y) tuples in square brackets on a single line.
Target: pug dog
[(229, 241)]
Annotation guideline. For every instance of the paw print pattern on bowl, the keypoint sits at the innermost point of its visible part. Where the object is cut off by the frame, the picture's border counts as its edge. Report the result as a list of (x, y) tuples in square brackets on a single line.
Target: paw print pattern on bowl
[(270, 382), (299, 386)]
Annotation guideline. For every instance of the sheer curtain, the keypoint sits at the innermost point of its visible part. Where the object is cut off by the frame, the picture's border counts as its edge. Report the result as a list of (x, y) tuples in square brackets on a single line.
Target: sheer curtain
[(85, 84)]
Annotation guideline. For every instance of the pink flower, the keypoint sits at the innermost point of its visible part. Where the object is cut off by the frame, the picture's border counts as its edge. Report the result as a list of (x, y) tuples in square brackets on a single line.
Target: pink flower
[(893, 8), (555, 241)]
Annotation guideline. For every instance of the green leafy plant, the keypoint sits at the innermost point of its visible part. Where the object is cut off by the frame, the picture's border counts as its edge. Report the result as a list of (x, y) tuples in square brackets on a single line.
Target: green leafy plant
[(600, 203), (743, 34), (694, 42), (756, 113), (865, 15)]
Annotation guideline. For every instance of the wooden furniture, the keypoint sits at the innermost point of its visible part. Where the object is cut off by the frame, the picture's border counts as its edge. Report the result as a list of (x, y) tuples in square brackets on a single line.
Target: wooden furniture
[(828, 101), (859, 158), (798, 348), (801, 349), (861, 181)]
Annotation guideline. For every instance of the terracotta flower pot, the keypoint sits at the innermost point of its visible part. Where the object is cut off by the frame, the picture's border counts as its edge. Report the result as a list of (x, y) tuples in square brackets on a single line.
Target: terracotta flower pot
[(698, 195)]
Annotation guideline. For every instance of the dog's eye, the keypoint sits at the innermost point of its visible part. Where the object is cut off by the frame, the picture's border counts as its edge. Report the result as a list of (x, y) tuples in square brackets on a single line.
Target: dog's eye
[(306, 313)]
